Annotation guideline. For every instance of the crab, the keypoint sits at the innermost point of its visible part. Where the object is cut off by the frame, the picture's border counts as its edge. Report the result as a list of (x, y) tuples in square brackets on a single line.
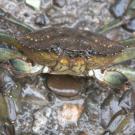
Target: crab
[(55, 51), (64, 51)]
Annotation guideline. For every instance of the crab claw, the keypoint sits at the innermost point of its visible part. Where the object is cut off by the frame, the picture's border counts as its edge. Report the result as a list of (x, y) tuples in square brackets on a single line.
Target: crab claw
[(20, 66), (114, 79), (128, 72), (6, 54), (111, 78), (115, 76)]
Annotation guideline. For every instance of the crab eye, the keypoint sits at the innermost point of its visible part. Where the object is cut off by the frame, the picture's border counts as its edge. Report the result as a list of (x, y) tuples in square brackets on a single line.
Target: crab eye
[(56, 49), (70, 53), (81, 53), (91, 52)]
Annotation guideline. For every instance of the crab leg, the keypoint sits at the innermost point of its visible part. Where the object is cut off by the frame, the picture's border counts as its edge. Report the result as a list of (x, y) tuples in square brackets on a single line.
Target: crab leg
[(7, 114), (127, 54), (8, 39), (7, 111), (7, 17), (9, 129)]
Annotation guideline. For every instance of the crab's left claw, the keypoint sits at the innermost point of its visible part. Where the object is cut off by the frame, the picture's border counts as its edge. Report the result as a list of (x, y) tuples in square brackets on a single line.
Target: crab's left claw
[(22, 67)]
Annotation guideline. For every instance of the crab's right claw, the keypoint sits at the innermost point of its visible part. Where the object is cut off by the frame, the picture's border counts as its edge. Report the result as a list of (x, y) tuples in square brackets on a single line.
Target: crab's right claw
[(118, 75)]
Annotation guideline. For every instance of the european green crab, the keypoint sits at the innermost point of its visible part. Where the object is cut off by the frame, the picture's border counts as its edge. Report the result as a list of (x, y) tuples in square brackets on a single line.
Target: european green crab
[(55, 51), (66, 51)]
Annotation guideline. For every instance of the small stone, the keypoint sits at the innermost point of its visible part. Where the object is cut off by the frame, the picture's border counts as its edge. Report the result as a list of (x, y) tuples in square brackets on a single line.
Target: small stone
[(130, 26), (50, 12), (34, 3), (41, 20), (69, 113), (59, 3), (120, 7)]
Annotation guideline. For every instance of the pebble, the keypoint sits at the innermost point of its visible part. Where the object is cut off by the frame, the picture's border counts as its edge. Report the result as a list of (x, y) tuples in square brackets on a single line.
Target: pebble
[(41, 20), (34, 3), (130, 26), (120, 7), (59, 3), (69, 113)]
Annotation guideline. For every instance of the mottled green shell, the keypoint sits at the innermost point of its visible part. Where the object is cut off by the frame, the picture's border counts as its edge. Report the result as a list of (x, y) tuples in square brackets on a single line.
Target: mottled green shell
[(69, 51), (69, 41)]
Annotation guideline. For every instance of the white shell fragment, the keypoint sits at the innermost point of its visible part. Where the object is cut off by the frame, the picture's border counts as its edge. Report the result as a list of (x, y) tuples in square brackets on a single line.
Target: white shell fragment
[(40, 68), (36, 68), (97, 73), (90, 73), (45, 69), (34, 3)]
